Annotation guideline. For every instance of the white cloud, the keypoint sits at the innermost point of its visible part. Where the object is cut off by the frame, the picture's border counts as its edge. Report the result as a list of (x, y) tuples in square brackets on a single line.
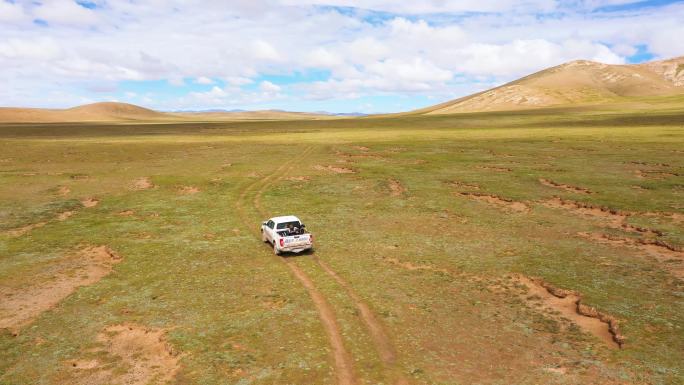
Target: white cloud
[(434, 6), (417, 70), (321, 57), (524, 56), (665, 41), (263, 50), (228, 97), (65, 12), (204, 80), (269, 87), (34, 49), (624, 49), (11, 12), (229, 47), (238, 80)]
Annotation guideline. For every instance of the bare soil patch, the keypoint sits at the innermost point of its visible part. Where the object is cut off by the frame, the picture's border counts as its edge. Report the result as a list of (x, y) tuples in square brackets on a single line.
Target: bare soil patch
[(615, 219), (495, 168), (568, 304), (188, 190), (142, 356), (64, 215), (364, 155), (20, 306), (396, 189), (143, 183), (367, 156), (671, 257), (654, 174), (564, 187), (335, 169), (63, 191), (498, 201), (18, 232), (83, 364), (559, 370), (650, 164), (298, 178), (90, 202), (126, 213)]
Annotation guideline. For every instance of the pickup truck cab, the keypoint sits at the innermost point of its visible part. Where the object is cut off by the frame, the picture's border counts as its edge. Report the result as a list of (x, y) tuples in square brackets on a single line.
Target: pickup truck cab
[(286, 234)]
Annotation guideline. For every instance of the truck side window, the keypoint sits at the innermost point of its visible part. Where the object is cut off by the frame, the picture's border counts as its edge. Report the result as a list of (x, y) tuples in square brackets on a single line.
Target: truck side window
[(270, 224)]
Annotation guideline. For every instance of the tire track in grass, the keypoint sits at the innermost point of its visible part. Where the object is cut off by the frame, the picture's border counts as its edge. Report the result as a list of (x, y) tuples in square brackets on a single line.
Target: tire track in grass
[(383, 344), (381, 341), (239, 203), (344, 370), (242, 198), (343, 361)]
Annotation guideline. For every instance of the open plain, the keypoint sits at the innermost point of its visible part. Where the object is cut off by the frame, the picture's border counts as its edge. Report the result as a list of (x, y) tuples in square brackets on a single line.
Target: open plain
[(520, 247)]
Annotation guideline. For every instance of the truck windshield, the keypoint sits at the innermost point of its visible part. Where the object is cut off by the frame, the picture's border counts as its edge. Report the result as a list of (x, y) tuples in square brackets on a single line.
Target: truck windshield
[(284, 225)]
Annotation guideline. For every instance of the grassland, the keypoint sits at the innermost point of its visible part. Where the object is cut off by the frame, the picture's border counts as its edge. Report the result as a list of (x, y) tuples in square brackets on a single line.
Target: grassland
[(419, 254)]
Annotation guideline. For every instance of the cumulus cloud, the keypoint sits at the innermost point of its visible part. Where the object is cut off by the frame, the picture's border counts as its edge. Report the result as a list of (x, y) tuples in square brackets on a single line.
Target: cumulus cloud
[(269, 87), (30, 50), (238, 80), (11, 12), (521, 56), (432, 48), (66, 12), (263, 50), (204, 80), (435, 6)]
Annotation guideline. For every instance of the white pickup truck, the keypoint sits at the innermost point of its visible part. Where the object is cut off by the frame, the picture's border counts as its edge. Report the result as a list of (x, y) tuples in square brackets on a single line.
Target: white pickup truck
[(287, 234)]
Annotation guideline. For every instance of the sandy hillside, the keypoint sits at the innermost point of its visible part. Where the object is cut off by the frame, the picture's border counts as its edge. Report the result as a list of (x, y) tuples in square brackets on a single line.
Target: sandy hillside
[(124, 112), (113, 111), (576, 82), (104, 111)]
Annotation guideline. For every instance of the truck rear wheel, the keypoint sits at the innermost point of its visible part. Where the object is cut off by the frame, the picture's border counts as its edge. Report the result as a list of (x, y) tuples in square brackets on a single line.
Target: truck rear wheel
[(275, 250)]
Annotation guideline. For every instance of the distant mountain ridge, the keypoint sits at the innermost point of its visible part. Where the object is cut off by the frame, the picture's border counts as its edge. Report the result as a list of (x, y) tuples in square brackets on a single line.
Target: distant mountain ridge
[(573, 83), (124, 112)]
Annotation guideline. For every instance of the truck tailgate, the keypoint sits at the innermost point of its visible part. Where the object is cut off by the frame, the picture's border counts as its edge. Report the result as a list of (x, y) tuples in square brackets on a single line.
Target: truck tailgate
[(297, 240)]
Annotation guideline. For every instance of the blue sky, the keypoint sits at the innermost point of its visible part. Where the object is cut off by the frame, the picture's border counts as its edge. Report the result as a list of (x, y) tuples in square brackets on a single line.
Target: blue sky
[(301, 55)]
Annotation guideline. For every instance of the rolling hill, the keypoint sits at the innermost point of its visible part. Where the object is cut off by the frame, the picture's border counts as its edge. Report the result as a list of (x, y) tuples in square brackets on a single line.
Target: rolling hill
[(124, 112), (113, 111), (578, 82), (96, 112)]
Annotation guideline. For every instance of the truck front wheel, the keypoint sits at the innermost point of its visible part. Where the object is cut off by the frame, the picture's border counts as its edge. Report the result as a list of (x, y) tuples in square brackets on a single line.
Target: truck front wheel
[(263, 237)]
